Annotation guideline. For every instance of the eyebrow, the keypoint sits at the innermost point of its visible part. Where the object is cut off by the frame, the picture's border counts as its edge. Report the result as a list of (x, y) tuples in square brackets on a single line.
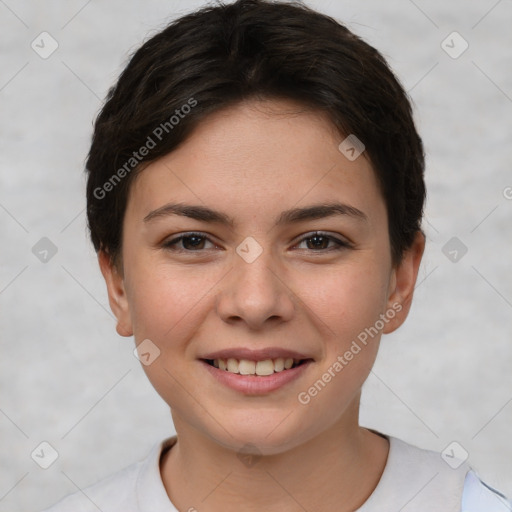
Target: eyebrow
[(205, 214)]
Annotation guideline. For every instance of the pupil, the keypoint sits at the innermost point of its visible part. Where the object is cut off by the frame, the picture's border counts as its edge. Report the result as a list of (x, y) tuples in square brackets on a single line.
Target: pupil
[(192, 241), (318, 241)]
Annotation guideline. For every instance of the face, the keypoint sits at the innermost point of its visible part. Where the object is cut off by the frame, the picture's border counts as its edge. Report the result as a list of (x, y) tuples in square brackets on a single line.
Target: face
[(255, 243)]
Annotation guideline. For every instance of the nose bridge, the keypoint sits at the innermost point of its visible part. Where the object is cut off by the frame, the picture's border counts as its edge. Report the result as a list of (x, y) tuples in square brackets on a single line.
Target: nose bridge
[(254, 292), (259, 273)]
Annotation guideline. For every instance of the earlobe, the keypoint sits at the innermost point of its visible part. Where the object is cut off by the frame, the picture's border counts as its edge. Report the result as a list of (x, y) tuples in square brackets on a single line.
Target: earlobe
[(116, 294), (403, 282)]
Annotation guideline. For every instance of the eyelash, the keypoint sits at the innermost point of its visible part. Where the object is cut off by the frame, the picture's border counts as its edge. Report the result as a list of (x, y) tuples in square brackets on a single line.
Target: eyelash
[(341, 244)]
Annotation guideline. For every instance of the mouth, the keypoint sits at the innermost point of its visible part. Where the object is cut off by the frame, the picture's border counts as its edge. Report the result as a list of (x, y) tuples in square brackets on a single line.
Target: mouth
[(259, 368), (256, 371)]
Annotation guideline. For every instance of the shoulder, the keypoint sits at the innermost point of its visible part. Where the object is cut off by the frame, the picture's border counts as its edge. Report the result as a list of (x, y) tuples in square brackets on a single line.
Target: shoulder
[(125, 490), (418, 480), (115, 492), (479, 497), (458, 478)]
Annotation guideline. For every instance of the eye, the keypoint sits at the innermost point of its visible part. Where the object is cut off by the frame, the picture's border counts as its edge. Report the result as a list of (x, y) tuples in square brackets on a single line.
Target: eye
[(198, 242), (188, 242), (323, 242)]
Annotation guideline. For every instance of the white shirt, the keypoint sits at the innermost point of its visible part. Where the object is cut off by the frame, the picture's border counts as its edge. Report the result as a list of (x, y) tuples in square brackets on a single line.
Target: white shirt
[(414, 480)]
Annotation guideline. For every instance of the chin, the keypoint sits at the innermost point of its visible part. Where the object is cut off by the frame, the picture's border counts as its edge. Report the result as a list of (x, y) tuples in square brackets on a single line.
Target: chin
[(260, 433)]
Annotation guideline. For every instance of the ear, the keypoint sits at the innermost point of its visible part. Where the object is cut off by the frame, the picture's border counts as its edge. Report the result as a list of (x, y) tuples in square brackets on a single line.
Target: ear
[(402, 284), (116, 294)]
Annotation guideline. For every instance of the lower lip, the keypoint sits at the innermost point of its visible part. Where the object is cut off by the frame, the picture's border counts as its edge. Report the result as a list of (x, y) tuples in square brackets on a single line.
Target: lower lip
[(253, 384)]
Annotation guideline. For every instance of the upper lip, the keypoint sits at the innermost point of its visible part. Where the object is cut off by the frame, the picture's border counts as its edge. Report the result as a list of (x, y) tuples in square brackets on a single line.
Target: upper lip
[(255, 355)]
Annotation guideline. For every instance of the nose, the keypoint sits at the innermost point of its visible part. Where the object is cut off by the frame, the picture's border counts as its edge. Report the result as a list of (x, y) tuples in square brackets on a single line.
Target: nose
[(255, 294)]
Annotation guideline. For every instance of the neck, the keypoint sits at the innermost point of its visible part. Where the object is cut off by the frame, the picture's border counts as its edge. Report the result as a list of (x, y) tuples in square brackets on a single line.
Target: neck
[(335, 470)]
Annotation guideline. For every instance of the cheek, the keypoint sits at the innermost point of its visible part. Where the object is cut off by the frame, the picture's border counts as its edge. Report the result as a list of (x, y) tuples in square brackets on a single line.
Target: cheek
[(347, 305), (167, 307), (164, 300), (346, 300)]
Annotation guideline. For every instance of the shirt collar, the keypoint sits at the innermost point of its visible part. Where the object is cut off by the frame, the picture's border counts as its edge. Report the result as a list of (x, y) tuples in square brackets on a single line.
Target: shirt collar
[(150, 490)]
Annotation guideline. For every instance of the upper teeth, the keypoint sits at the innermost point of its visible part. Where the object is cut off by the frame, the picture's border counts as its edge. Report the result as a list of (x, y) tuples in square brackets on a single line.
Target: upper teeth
[(246, 367)]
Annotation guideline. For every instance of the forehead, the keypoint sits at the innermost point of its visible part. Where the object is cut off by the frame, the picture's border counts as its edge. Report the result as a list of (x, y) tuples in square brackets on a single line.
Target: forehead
[(255, 156)]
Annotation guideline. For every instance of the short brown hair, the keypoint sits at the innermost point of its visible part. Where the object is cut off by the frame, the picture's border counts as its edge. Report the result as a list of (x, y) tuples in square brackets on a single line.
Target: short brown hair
[(223, 54)]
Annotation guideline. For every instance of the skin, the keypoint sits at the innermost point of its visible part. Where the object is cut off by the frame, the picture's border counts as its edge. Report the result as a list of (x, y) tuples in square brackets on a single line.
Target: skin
[(252, 162)]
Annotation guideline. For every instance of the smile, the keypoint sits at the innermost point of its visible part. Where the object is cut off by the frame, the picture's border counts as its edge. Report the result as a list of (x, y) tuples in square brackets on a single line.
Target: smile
[(256, 377), (261, 368)]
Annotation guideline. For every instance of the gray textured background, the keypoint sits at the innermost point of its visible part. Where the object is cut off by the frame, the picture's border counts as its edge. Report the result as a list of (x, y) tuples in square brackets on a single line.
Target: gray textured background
[(68, 379)]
